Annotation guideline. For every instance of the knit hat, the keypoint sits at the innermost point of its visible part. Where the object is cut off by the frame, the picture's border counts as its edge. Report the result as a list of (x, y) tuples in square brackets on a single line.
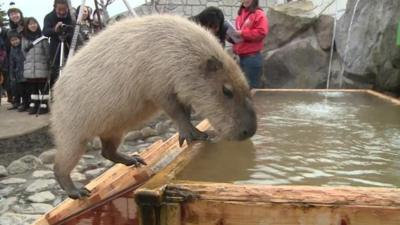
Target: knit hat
[(13, 7), (12, 33)]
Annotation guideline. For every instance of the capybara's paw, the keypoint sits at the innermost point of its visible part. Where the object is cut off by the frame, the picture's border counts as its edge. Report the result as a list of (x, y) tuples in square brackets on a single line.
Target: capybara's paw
[(194, 135), (78, 193), (136, 160)]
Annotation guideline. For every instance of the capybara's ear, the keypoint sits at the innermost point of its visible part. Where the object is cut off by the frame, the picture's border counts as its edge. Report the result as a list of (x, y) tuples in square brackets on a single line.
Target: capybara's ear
[(213, 64)]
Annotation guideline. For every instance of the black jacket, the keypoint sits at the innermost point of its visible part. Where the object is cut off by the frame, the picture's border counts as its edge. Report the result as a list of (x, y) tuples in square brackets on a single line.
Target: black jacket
[(50, 22), (17, 58)]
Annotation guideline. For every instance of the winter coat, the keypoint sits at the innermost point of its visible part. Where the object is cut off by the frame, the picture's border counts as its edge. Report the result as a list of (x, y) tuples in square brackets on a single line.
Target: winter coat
[(16, 71), (36, 59), (254, 27)]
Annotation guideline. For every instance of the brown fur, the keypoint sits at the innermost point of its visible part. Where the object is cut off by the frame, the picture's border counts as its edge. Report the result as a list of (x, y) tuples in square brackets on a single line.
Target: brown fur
[(130, 71)]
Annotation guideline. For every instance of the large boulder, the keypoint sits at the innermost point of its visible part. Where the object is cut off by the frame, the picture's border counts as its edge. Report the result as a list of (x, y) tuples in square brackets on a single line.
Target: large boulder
[(286, 21), (299, 64), (368, 48)]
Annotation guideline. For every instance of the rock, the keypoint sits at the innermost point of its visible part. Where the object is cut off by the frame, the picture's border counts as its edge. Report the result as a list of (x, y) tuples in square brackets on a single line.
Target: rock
[(107, 163), (371, 42), (41, 208), (45, 196), (43, 174), (95, 144), (133, 136), (5, 192), (88, 156), (94, 173), (3, 171), (75, 176), (41, 185), (286, 22), (148, 132), (47, 157), (161, 127), (24, 164), (13, 181), (389, 78), (300, 64), (324, 31), (17, 219), (153, 139), (49, 166), (5, 204)]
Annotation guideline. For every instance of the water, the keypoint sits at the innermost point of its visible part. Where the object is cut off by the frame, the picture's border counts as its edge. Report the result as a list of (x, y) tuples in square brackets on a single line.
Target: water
[(322, 139)]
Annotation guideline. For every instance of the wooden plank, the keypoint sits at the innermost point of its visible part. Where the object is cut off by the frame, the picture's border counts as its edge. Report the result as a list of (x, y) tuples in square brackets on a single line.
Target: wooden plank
[(309, 90), (118, 180), (383, 96), (309, 195), (289, 205), (233, 213)]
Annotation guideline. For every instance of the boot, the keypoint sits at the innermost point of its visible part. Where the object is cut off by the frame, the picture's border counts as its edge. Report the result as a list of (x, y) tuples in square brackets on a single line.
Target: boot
[(23, 107), (13, 106), (43, 109), (33, 107)]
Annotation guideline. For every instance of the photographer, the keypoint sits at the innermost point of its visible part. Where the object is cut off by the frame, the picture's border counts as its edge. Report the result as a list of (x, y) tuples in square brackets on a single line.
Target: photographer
[(58, 26)]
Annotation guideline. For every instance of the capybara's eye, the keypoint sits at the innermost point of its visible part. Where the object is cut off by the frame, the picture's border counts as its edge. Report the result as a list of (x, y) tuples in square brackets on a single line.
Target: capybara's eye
[(227, 90)]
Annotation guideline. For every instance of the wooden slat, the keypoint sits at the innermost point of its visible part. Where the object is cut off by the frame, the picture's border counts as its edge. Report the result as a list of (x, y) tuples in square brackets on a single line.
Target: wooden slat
[(289, 205), (383, 96), (309, 90), (310, 195), (118, 180)]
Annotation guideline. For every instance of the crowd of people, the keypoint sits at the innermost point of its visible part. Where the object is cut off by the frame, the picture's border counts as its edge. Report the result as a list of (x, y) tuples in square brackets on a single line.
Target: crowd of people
[(30, 56)]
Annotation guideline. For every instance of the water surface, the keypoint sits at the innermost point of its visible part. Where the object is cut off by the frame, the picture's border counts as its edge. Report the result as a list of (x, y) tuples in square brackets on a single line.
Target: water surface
[(322, 139)]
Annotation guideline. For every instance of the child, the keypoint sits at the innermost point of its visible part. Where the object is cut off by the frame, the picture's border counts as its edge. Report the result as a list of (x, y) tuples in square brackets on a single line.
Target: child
[(3, 57), (36, 70), (16, 73)]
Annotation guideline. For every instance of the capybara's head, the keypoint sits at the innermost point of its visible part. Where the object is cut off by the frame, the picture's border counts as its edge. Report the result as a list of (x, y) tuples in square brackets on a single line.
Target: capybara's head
[(220, 93)]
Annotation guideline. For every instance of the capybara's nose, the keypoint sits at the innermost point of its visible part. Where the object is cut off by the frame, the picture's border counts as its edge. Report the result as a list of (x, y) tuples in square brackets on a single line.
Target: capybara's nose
[(247, 133)]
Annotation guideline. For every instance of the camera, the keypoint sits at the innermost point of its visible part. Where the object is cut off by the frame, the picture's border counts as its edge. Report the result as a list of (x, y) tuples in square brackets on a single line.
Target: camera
[(65, 29)]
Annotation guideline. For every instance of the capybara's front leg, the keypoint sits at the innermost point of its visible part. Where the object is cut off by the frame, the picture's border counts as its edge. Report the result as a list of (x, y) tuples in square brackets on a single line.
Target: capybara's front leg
[(109, 151), (68, 186), (180, 114)]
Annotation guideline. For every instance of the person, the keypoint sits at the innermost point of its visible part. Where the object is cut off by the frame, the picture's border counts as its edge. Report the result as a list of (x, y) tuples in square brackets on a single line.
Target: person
[(99, 23), (252, 28), (213, 19), (58, 26), (36, 70), (3, 58), (16, 24), (16, 18), (86, 28), (16, 73)]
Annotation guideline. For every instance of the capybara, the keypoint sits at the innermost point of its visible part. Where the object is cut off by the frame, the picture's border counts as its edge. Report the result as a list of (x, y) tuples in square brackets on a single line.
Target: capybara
[(134, 69)]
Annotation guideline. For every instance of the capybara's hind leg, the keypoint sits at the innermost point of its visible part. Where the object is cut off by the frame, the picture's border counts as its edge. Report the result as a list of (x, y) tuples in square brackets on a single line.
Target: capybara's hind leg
[(65, 161), (109, 151)]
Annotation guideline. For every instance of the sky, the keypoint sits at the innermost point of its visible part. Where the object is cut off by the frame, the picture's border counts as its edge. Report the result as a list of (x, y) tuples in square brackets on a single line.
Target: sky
[(40, 8)]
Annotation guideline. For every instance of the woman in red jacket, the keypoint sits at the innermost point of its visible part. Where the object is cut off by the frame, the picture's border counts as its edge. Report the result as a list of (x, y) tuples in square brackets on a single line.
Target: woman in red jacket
[(252, 27)]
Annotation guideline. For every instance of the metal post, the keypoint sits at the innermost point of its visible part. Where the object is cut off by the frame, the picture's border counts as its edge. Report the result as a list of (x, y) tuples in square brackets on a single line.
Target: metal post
[(76, 31), (130, 9)]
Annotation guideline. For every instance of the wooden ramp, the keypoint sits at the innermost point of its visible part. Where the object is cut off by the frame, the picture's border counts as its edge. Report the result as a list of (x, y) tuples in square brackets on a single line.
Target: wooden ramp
[(118, 180)]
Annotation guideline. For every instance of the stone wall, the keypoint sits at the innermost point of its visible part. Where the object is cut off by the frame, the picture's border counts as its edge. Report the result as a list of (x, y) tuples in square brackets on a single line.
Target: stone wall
[(194, 7)]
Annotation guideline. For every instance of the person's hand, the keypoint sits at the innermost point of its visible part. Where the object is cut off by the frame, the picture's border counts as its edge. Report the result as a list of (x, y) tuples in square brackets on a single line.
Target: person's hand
[(57, 26), (238, 33)]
